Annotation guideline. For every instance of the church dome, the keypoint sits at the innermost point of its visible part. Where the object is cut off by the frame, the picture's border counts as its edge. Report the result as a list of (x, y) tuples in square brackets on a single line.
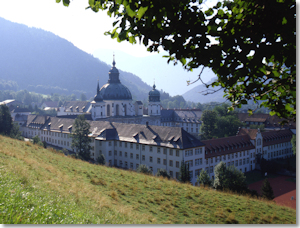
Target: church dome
[(154, 94), (114, 90)]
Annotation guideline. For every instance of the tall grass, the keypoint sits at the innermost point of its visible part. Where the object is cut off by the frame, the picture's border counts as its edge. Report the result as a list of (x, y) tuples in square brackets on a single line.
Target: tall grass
[(42, 186)]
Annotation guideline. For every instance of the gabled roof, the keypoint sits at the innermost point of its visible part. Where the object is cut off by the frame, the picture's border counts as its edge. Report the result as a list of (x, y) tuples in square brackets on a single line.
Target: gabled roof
[(228, 145), (251, 132)]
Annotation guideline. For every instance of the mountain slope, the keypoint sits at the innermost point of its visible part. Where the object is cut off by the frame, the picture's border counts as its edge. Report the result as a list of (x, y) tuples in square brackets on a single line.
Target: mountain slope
[(43, 62), (43, 186), (196, 94)]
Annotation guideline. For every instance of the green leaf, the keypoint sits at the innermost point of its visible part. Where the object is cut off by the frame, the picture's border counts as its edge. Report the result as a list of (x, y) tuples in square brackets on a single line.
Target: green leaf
[(132, 40), (66, 2), (183, 61), (141, 12), (129, 11), (284, 21), (58, 1)]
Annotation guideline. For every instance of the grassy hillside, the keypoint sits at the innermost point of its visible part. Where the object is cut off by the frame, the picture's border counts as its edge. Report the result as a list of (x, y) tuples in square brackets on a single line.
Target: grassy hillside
[(42, 186)]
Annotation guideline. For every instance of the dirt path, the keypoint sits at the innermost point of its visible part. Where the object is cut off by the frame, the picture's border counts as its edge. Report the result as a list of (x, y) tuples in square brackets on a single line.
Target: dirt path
[(283, 190)]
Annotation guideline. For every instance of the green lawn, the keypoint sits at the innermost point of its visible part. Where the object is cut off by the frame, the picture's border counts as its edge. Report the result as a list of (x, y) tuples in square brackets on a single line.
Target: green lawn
[(42, 186)]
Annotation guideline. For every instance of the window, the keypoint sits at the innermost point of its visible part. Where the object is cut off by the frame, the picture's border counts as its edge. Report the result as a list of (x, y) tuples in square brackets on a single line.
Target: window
[(197, 172), (131, 165), (244, 161), (151, 168), (109, 162), (188, 153), (136, 166), (198, 161), (143, 157), (150, 148), (171, 152), (177, 153), (177, 175), (120, 144), (236, 162), (137, 146), (212, 160), (240, 161), (125, 144), (247, 160), (232, 156), (125, 154), (137, 157), (109, 153), (131, 145), (158, 160), (171, 163), (109, 143), (120, 163), (165, 150), (236, 155), (115, 143), (126, 165), (177, 164), (171, 173), (158, 150), (206, 161), (120, 153), (206, 169), (216, 159), (143, 147), (211, 169), (115, 153), (240, 154), (131, 155), (151, 159), (190, 163), (165, 161)]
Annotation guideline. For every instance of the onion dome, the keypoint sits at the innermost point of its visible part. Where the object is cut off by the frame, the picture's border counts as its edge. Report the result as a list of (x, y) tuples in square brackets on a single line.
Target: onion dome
[(154, 94), (114, 90)]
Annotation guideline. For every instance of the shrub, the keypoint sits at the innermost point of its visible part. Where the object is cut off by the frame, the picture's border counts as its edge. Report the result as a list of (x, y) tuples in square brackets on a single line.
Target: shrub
[(266, 190), (204, 178), (36, 139), (144, 169), (163, 173), (101, 159)]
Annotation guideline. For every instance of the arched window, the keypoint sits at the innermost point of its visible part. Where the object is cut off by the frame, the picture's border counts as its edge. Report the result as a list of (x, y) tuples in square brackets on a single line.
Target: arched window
[(108, 110), (258, 142), (125, 110)]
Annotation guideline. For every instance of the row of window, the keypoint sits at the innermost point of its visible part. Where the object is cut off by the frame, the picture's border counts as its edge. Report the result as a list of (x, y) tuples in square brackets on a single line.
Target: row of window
[(280, 152), (278, 145), (171, 151)]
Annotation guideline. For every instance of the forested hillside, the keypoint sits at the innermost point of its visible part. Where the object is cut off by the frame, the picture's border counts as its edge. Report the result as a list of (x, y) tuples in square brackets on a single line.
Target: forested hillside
[(42, 62)]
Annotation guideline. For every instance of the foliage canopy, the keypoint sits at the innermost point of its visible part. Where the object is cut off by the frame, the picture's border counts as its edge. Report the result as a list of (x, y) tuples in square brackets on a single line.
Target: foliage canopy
[(252, 51)]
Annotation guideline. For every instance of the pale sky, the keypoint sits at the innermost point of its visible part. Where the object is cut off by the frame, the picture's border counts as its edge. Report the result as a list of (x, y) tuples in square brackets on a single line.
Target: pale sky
[(85, 29)]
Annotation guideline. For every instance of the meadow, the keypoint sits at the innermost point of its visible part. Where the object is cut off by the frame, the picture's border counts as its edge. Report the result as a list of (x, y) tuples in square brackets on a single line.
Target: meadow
[(43, 186)]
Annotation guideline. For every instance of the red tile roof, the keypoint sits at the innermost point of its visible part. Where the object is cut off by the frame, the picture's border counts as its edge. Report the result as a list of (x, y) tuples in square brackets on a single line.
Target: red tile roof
[(275, 137), (228, 145)]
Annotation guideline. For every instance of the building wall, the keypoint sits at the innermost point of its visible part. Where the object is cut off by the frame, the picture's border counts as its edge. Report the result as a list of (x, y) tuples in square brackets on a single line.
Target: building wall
[(130, 155)]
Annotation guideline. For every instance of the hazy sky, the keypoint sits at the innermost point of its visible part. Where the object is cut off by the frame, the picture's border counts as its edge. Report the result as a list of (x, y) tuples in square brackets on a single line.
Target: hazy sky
[(85, 29)]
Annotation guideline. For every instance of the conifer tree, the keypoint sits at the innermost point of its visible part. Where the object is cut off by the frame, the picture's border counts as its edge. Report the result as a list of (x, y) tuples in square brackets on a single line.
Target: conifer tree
[(80, 138), (184, 175), (267, 191)]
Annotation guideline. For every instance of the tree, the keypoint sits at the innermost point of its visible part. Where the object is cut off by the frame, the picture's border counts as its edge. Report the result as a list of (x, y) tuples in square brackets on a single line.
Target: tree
[(252, 52), (293, 142), (101, 159), (15, 132), (208, 126), (6, 123), (266, 190), (229, 178), (204, 178), (80, 139), (83, 97), (163, 173), (184, 174), (144, 169)]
